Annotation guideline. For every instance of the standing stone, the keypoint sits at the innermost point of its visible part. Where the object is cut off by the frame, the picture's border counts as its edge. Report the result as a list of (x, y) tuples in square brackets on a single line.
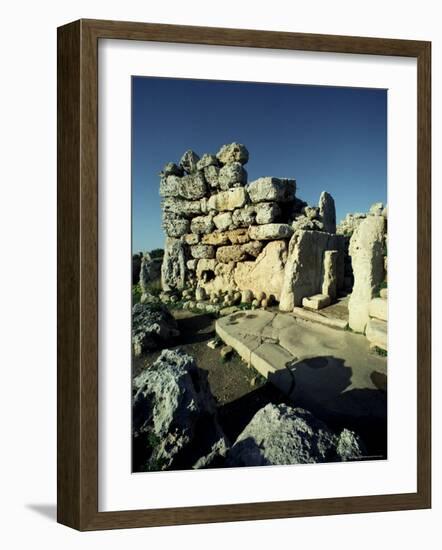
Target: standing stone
[(366, 251), (150, 270), (330, 278), (327, 212), (272, 189), (189, 161), (233, 152), (232, 175), (173, 269)]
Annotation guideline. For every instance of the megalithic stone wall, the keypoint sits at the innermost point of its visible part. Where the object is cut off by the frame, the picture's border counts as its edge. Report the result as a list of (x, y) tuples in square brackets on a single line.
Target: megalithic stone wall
[(223, 233)]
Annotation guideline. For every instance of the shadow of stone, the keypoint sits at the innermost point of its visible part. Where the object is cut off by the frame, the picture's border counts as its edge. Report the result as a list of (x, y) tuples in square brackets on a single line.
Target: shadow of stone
[(194, 330), (48, 511)]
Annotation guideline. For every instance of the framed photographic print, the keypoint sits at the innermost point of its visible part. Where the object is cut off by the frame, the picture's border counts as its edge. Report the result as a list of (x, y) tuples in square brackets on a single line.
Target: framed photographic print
[(243, 263)]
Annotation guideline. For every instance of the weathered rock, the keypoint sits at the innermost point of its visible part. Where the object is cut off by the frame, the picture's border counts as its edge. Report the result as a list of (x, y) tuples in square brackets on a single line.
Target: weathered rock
[(327, 212), (366, 250), (377, 333), (173, 269), (193, 186), (378, 308), (172, 169), (207, 160), (200, 294), (150, 270), (199, 251), (311, 212), (182, 207), (211, 174), (217, 238), (205, 269), (232, 175), (170, 186), (152, 327), (175, 227), (244, 217), (376, 209), (279, 434), (189, 161), (228, 200), (330, 277), (238, 236), (172, 400), (307, 224), (272, 189), (233, 152), (348, 225), (318, 301), (191, 265), (136, 267), (202, 225), (253, 248), (267, 212), (270, 231), (350, 446), (232, 253), (219, 277), (266, 273), (223, 221), (191, 238), (303, 275), (247, 296)]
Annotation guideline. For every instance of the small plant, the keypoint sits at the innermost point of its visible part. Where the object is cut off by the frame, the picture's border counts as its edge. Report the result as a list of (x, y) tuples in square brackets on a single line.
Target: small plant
[(380, 351)]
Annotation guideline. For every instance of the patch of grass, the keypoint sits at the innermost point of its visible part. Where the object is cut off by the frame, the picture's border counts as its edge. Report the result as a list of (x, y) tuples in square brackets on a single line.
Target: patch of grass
[(380, 351)]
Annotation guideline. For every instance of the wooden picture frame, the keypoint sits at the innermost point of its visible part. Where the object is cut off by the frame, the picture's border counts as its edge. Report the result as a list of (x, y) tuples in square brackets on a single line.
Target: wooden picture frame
[(78, 274)]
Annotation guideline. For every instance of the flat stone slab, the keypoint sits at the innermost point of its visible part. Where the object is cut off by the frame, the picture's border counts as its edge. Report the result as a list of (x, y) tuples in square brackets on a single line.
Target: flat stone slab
[(318, 301), (377, 333), (315, 366), (317, 317)]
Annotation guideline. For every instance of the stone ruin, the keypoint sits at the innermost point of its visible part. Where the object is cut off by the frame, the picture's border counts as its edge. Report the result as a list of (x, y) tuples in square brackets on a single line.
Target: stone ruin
[(229, 240)]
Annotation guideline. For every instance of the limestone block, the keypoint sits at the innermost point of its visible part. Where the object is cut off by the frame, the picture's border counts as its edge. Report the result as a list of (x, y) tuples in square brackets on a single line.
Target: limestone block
[(191, 238), (253, 248), (266, 273), (270, 231), (228, 200), (304, 269), (189, 161), (272, 189), (318, 301), (193, 186), (378, 308), (307, 224), (170, 186), (175, 227), (327, 211), (199, 251), (238, 236), (173, 268), (244, 217), (330, 277), (366, 250), (377, 333), (217, 238), (202, 224), (233, 152), (267, 212), (232, 253), (182, 207), (211, 174), (204, 267), (171, 169), (223, 221), (232, 175), (207, 160), (191, 264), (223, 278)]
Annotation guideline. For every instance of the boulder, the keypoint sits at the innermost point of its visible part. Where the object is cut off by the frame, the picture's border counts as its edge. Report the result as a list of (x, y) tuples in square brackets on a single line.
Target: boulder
[(199, 251), (233, 152), (200, 294), (267, 212), (193, 186), (244, 217), (232, 253), (172, 402), (327, 211), (247, 296), (150, 270), (152, 327), (202, 225), (189, 161), (367, 253), (223, 221), (280, 434), (228, 200), (266, 273), (270, 231), (211, 174), (181, 207), (232, 175), (207, 160), (173, 269), (272, 189)]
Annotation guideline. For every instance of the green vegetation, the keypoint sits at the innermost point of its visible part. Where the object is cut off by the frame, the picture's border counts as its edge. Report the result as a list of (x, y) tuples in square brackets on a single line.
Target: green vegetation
[(380, 351), (136, 294), (156, 253)]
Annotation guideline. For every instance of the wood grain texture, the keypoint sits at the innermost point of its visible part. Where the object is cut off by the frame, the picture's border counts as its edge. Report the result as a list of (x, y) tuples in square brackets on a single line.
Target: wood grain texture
[(77, 164)]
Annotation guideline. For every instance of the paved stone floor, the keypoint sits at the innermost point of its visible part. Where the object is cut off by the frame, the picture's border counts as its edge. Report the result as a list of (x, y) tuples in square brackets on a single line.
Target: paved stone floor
[(323, 369)]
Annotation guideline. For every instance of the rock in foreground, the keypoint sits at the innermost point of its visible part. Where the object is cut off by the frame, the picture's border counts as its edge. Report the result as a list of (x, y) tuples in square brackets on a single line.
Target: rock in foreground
[(152, 327), (279, 434)]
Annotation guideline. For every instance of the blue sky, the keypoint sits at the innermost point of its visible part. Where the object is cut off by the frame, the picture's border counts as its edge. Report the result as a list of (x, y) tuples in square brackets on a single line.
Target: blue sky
[(327, 138)]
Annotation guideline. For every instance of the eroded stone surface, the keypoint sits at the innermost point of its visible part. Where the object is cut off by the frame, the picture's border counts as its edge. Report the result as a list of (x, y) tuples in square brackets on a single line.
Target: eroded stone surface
[(272, 189)]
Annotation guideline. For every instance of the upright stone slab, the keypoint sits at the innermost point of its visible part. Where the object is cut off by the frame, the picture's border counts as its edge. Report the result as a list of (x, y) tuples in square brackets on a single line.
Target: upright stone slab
[(173, 269), (330, 278), (366, 251), (304, 271), (327, 212)]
